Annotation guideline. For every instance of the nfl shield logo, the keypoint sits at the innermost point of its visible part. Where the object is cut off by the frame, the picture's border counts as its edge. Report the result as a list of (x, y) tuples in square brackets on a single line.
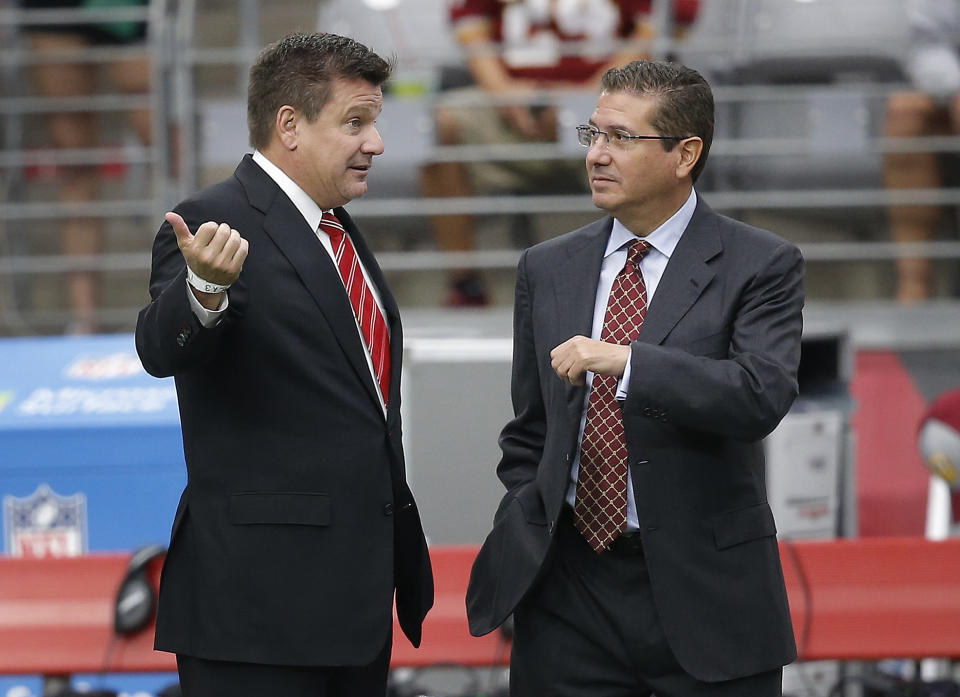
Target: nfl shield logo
[(45, 524)]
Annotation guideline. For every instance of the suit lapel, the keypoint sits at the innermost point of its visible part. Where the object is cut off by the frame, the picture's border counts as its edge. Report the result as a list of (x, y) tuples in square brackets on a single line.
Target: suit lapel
[(686, 276), (575, 287), (284, 224)]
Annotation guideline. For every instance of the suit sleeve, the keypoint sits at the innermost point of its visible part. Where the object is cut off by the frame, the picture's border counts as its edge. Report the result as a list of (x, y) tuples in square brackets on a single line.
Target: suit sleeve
[(522, 439), (745, 395), (169, 336)]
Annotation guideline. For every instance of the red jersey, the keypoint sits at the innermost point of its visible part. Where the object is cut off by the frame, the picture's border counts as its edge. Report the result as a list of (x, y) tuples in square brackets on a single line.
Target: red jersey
[(532, 32)]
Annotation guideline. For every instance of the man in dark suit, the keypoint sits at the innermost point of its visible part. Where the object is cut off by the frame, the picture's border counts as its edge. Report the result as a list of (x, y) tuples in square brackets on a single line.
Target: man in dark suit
[(653, 350), (296, 528)]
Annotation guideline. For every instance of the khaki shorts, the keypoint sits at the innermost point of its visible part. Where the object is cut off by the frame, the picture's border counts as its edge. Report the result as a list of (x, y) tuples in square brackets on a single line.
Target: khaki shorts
[(478, 124)]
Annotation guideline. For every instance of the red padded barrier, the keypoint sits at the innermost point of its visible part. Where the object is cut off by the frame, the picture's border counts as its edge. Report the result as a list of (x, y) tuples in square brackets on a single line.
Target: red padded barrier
[(56, 617), (875, 598), (862, 599), (446, 638)]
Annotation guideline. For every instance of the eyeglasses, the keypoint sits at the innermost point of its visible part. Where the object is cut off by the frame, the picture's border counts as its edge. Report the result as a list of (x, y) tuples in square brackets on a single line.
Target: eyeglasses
[(588, 136)]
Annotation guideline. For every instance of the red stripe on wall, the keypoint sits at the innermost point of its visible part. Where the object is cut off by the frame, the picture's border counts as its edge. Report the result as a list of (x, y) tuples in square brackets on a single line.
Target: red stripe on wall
[(891, 476)]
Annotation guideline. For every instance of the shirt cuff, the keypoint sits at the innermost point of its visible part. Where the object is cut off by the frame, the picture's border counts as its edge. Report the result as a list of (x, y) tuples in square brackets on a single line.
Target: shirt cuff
[(208, 318), (623, 384)]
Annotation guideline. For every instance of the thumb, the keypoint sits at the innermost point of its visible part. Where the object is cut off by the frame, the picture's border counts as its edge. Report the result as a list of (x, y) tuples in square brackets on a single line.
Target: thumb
[(180, 229)]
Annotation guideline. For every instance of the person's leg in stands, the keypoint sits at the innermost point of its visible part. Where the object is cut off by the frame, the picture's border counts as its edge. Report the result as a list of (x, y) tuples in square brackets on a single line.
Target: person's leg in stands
[(912, 114), (133, 77), (74, 129), (453, 233)]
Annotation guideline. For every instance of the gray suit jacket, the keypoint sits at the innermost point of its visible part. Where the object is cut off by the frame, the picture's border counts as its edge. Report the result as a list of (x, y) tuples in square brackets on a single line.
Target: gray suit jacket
[(713, 372)]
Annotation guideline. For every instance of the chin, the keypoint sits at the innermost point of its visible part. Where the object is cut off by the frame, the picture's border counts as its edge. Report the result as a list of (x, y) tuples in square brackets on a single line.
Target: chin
[(601, 201), (355, 192)]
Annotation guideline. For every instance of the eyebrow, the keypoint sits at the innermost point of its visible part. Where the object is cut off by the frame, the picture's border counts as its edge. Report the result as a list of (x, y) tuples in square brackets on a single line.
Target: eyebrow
[(613, 127), (363, 110)]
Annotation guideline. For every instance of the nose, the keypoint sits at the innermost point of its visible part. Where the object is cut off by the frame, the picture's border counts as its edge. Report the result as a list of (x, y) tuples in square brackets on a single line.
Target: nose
[(373, 144), (598, 154)]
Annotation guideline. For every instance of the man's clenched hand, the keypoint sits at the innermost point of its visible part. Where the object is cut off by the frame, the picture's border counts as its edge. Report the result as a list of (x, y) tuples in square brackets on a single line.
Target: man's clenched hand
[(574, 357), (215, 253)]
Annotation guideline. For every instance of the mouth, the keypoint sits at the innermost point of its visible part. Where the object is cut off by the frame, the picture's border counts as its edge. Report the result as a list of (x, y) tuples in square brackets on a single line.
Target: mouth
[(597, 178), (361, 168)]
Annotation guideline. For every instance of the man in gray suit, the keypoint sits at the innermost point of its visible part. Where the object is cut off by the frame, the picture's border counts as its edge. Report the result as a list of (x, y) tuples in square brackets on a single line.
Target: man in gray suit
[(653, 350)]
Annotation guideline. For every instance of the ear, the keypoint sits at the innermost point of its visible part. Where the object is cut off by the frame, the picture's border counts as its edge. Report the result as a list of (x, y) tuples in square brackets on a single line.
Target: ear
[(689, 151), (285, 125)]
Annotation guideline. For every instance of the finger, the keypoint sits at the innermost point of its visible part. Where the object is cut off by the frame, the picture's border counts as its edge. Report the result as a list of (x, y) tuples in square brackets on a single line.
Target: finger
[(220, 239), (559, 358), (575, 373), (561, 348), (205, 233), (180, 228), (556, 355), (241, 254), (229, 249), (565, 368), (555, 364)]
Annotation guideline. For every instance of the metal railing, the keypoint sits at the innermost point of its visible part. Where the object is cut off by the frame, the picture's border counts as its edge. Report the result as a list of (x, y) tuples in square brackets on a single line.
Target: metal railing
[(176, 56), (18, 314)]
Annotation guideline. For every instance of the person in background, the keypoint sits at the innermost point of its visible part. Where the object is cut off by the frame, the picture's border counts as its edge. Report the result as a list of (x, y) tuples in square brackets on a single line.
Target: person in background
[(80, 129), (517, 49), (654, 349), (297, 529), (931, 108)]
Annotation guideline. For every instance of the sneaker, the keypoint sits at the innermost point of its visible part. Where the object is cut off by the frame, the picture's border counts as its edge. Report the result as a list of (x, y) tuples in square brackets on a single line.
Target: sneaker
[(466, 291)]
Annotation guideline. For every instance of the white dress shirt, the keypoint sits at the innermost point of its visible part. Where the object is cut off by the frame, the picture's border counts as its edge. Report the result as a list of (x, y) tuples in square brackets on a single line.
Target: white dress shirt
[(662, 241), (312, 213)]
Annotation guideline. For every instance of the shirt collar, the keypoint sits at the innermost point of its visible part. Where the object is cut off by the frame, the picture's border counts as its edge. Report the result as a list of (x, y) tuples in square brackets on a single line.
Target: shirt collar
[(308, 208), (664, 239)]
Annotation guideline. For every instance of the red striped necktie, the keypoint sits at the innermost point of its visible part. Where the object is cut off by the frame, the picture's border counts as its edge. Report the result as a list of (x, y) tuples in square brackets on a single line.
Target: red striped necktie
[(365, 309)]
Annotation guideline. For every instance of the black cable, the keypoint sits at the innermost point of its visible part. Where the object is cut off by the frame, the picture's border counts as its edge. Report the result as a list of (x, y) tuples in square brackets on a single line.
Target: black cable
[(504, 636), (886, 685), (807, 593), (107, 660)]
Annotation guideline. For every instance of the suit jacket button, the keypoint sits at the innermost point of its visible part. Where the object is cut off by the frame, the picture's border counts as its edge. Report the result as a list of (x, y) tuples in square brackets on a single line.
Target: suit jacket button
[(551, 527), (183, 336), (388, 509)]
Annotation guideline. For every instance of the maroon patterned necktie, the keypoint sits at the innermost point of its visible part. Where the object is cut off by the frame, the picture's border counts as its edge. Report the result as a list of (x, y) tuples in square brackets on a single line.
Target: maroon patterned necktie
[(600, 510), (365, 309)]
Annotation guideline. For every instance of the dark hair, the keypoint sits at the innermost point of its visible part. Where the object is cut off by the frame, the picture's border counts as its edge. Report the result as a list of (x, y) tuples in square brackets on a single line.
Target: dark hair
[(684, 101), (298, 70)]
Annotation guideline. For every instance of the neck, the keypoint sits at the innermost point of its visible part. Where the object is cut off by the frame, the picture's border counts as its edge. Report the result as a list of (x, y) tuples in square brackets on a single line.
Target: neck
[(274, 154), (647, 216), (290, 165)]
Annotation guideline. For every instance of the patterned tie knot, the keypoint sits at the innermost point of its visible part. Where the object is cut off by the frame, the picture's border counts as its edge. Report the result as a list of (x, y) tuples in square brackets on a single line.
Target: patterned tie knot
[(330, 225), (636, 251)]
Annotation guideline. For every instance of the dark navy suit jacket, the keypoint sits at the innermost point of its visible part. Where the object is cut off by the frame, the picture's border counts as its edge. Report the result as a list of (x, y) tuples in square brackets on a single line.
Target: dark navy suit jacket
[(296, 526)]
